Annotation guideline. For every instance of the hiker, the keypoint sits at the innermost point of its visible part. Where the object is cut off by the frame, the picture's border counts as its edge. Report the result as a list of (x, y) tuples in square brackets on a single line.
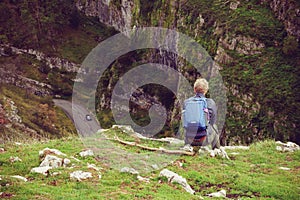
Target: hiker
[(206, 134)]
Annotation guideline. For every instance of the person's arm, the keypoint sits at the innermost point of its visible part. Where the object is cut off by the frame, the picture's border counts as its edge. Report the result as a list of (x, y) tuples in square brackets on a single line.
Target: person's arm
[(212, 108)]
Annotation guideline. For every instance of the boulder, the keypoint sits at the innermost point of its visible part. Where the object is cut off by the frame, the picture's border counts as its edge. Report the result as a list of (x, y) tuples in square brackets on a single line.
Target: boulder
[(129, 170), (51, 161), (41, 170), (2, 150), (93, 166), (219, 194), (287, 147), (175, 178), (86, 153), (20, 178), (51, 151), (140, 178), (80, 175)]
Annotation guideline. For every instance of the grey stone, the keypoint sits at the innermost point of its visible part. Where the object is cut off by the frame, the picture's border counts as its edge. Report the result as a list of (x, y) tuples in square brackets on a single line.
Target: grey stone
[(86, 153), (175, 178), (219, 194), (80, 175), (41, 170), (129, 170)]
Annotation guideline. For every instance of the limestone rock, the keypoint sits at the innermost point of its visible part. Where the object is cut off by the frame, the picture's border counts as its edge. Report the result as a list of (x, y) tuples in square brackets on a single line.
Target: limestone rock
[(285, 168), (287, 147), (51, 161), (86, 153), (129, 170), (80, 175), (175, 178), (15, 159), (221, 193), (41, 170), (140, 178), (93, 166), (51, 151), (20, 178), (2, 150), (234, 5)]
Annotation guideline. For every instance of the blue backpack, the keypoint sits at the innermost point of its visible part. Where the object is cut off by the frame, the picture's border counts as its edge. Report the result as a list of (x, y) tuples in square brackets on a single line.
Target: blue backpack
[(195, 115)]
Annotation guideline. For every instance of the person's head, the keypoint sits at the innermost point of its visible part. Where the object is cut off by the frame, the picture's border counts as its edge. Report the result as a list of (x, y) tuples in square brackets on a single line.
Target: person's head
[(201, 86)]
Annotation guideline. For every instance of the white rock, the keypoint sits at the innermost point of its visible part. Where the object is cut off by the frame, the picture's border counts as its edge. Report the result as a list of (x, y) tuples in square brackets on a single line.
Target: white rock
[(18, 143), (234, 153), (93, 166), (2, 150), (41, 170), (51, 161), (56, 173), (140, 178), (285, 168), (15, 159), (234, 5), (80, 175), (173, 177), (155, 166), (86, 153), (53, 151), (287, 147), (75, 159), (66, 162), (129, 170), (221, 193), (20, 177)]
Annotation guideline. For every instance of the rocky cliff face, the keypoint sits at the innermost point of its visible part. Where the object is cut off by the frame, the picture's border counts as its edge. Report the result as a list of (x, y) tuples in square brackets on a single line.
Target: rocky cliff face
[(235, 33), (116, 13), (287, 11)]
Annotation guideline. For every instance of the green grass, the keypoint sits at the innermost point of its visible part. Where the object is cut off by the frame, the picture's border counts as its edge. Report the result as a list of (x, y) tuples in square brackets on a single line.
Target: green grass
[(252, 173)]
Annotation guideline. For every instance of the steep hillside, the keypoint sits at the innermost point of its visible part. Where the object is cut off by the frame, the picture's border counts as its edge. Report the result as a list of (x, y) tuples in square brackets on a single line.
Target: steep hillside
[(255, 42)]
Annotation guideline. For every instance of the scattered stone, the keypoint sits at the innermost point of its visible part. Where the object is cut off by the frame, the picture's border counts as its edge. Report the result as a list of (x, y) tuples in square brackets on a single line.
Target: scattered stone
[(221, 193), (285, 168), (234, 5), (66, 162), (155, 166), (129, 170), (140, 178), (80, 175), (51, 151), (187, 147), (20, 178), (173, 177), (18, 143), (15, 159), (234, 153), (93, 166), (75, 159), (99, 175), (56, 173), (287, 147), (213, 153), (2, 150), (86, 153), (41, 170), (51, 161)]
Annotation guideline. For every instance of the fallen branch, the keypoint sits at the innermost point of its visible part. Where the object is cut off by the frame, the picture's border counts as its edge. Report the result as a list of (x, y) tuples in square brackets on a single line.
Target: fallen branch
[(152, 148)]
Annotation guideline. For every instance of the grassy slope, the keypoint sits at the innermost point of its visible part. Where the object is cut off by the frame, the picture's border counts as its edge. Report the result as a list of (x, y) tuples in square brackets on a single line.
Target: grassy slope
[(252, 173)]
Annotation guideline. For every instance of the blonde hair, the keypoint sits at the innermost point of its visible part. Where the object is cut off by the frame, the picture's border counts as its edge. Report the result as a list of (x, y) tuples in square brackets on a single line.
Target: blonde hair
[(201, 85)]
